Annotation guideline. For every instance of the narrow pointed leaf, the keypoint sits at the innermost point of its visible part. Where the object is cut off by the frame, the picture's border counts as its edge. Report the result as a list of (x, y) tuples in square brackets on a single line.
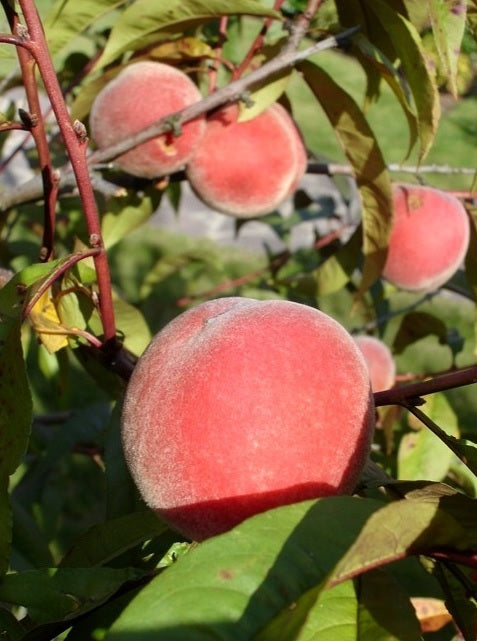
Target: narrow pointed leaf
[(68, 18), (141, 22), (448, 23), (361, 148), (407, 43)]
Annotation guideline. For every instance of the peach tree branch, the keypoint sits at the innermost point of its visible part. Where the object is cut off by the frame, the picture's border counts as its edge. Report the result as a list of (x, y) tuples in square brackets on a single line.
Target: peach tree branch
[(34, 123), (76, 146), (31, 190)]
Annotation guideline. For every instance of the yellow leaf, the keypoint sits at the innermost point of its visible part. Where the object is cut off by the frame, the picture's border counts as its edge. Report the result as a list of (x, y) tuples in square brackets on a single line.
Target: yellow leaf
[(47, 325)]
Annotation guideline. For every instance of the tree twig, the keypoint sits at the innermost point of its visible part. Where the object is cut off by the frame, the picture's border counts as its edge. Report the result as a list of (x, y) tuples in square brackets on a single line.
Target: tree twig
[(31, 190)]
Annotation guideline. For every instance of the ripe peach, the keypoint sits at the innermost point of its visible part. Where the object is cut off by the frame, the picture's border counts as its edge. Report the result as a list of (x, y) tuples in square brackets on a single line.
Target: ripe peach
[(238, 406), (246, 169), (141, 94), (380, 362), (429, 238)]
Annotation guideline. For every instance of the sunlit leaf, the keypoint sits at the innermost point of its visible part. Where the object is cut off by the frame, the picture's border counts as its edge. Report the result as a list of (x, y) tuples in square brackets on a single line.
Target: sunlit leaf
[(407, 43), (68, 18), (373, 59), (142, 21), (448, 23), (233, 585), (361, 148), (421, 454), (123, 215), (46, 323), (180, 49), (263, 97)]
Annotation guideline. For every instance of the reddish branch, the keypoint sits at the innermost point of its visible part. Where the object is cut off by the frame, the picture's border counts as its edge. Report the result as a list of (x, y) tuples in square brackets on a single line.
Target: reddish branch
[(404, 393), (76, 146), (233, 92), (256, 44), (55, 274), (33, 122)]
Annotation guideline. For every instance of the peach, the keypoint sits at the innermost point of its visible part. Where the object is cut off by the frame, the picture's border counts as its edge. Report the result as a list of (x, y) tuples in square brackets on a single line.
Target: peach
[(138, 96), (240, 405), (429, 238), (247, 169), (380, 362)]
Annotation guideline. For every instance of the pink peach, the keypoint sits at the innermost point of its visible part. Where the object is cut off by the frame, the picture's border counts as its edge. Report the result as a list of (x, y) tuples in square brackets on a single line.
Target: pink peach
[(247, 169), (141, 94), (380, 362), (429, 238), (240, 405)]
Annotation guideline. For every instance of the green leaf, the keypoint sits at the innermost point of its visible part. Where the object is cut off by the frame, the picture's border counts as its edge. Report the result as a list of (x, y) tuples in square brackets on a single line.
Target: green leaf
[(15, 422), (459, 600), (5, 525), (55, 595), (448, 24), (334, 616), (132, 325), (15, 399), (233, 585), (15, 292), (472, 17), (385, 611), (471, 256), (105, 541), (139, 25), (377, 608), (333, 273), (11, 628), (29, 545), (68, 18), (373, 60), (361, 148), (417, 325), (421, 454), (407, 43), (126, 214), (432, 517)]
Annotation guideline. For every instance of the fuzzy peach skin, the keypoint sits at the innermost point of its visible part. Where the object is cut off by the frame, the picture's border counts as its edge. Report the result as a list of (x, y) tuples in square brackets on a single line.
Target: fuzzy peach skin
[(238, 406), (429, 238), (139, 95), (380, 362), (246, 169)]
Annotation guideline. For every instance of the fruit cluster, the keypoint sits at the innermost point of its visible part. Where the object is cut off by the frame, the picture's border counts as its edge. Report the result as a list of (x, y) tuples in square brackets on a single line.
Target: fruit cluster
[(244, 169)]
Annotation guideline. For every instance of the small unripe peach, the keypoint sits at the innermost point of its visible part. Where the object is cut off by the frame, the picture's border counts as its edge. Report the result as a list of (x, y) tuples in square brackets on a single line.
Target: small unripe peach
[(429, 238), (247, 169), (141, 94), (380, 362), (238, 406)]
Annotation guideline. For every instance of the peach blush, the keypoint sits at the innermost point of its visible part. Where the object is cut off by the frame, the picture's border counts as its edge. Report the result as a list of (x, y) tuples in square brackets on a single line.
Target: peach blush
[(141, 94), (429, 238), (238, 406), (247, 169)]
